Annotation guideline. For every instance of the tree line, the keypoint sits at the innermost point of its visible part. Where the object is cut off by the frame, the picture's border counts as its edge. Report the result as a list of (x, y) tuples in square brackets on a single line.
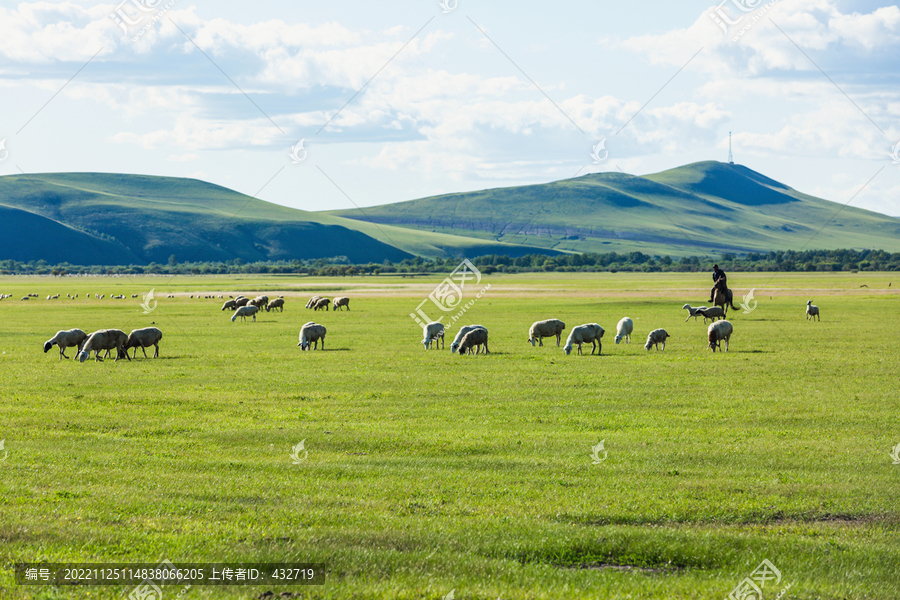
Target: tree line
[(340, 266)]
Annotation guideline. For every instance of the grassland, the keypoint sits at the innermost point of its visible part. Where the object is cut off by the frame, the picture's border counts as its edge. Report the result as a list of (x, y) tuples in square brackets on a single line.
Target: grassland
[(429, 472)]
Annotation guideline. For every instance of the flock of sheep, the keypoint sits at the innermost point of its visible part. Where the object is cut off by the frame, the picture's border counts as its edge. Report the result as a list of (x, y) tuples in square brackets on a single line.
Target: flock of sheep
[(105, 339), (471, 339)]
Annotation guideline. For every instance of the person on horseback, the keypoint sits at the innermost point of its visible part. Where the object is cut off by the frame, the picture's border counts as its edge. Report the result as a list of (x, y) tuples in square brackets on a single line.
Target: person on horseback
[(720, 279)]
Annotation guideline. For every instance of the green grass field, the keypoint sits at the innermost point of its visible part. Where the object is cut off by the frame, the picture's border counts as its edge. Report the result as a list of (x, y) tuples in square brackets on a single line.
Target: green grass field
[(429, 472)]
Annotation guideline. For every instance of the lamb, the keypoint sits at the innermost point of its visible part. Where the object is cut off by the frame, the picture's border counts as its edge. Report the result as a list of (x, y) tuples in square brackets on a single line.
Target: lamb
[(474, 339), (243, 312), (655, 338), (311, 333), (239, 302), (459, 336), (144, 338), (229, 305), (713, 312), (312, 301), (591, 332), (105, 339), (339, 302), (276, 303), (433, 332), (624, 329), (812, 311), (717, 332), (693, 311), (321, 303), (66, 339), (549, 328)]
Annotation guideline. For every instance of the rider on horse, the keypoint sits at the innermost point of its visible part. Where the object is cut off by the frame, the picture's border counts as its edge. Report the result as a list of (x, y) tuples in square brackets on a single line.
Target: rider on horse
[(720, 282)]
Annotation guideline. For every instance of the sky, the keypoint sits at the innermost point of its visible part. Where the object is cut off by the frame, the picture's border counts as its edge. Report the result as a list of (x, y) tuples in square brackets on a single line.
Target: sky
[(339, 104)]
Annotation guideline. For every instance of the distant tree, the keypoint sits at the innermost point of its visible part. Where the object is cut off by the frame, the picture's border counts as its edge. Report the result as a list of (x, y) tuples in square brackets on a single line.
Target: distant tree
[(173, 261)]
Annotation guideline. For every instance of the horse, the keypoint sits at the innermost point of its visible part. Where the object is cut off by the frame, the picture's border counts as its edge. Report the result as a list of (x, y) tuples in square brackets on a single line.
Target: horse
[(723, 300)]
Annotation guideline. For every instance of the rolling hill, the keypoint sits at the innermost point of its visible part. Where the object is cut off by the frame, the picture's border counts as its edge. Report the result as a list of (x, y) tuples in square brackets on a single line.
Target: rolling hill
[(100, 218), (702, 208)]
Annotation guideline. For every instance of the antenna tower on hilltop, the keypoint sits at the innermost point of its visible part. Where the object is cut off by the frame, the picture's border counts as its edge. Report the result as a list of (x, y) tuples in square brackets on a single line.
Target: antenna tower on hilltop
[(730, 156)]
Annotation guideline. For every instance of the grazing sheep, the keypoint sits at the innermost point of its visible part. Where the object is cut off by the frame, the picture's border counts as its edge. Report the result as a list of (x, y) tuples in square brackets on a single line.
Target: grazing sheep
[(66, 339), (459, 336), (717, 332), (312, 301), (693, 311), (477, 338), (229, 305), (549, 328), (341, 301), (311, 333), (812, 311), (243, 312), (624, 329), (239, 302), (591, 332), (657, 337), (105, 339), (25, 298), (433, 332), (321, 303), (276, 303), (144, 338), (259, 302), (713, 312)]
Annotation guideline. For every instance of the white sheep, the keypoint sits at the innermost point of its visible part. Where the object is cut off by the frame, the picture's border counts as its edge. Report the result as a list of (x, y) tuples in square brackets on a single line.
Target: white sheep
[(693, 311), (311, 333), (243, 312), (718, 331), (312, 301), (321, 303), (713, 312), (624, 329), (105, 339), (66, 339), (433, 332), (339, 302), (477, 338), (276, 303), (229, 305), (812, 311), (459, 336), (657, 337), (144, 338), (590, 332), (549, 328)]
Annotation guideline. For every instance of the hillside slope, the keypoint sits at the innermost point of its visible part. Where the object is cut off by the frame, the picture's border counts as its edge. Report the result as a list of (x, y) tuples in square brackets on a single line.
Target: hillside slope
[(703, 208), (144, 219)]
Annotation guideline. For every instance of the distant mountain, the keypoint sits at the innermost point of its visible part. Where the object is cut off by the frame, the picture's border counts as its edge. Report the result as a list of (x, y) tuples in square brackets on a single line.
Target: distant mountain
[(101, 218), (702, 208)]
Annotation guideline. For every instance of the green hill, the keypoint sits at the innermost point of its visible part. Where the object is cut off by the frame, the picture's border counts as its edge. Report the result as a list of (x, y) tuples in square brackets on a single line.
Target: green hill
[(101, 218), (702, 208)]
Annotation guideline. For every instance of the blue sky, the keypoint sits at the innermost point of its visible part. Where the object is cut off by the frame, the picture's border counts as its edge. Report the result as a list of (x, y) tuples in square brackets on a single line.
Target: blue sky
[(484, 95)]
